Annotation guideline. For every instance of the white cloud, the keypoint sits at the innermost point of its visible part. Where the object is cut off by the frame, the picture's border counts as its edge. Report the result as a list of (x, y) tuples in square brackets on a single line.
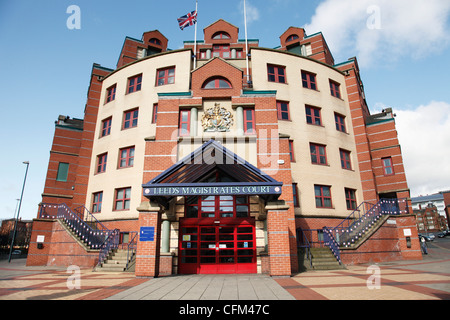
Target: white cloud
[(382, 29), (252, 11), (424, 134)]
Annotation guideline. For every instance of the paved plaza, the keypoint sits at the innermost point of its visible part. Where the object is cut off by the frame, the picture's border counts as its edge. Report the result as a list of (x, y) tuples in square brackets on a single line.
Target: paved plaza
[(427, 279)]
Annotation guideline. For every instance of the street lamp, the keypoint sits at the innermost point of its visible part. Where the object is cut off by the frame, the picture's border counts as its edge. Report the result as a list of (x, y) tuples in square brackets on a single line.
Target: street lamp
[(18, 211)]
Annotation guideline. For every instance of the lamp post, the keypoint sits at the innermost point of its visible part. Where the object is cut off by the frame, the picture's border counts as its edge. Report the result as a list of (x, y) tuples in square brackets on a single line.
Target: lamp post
[(18, 211)]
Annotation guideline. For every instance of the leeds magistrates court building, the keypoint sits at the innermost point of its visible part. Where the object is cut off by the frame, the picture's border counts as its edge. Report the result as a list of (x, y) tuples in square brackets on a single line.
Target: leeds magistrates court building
[(243, 160)]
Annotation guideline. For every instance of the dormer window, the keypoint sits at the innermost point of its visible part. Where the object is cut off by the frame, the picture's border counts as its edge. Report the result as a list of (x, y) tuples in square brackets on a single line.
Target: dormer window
[(221, 36), (155, 41), (217, 83), (292, 38)]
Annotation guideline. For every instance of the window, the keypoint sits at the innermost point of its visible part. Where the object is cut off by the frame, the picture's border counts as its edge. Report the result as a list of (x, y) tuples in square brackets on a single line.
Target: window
[(249, 121), (185, 122), (318, 154), (335, 90), (155, 41), (221, 35), (106, 127), (217, 83), (97, 202), (276, 73), (295, 194), (345, 159), (313, 115), (220, 50), (130, 119), (323, 196), (292, 38), (126, 157), (291, 150), (165, 76), (309, 80), (134, 83), (111, 93), (63, 172), (283, 110), (217, 207), (388, 167), (350, 199), (122, 199), (155, 113), (340, 122), (101, 163)]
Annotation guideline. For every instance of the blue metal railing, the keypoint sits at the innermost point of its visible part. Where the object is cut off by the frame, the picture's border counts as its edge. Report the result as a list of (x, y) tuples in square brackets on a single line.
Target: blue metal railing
[(353, 227), (82, 223), (111, 243)]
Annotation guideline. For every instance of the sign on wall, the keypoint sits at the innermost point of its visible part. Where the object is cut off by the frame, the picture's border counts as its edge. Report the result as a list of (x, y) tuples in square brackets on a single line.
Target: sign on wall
[(211, 191), (147, 234)]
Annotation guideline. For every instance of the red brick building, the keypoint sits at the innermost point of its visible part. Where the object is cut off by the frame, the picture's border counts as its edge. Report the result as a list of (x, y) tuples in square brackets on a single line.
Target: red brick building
[(228, 163)]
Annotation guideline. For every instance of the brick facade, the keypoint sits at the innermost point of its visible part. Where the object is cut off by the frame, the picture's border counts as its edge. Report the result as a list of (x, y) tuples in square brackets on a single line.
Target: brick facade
[(159, 145)]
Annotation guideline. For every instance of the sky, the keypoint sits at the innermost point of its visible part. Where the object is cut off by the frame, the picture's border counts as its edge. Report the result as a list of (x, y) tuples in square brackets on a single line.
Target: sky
[(402, 48)]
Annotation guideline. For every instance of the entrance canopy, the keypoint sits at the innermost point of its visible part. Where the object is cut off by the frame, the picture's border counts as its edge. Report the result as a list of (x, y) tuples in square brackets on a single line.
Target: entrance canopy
[(211, 170)]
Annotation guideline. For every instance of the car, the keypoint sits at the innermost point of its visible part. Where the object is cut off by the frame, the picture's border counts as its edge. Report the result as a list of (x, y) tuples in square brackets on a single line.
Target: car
[(443, 234), (17, 252), (426, 237)]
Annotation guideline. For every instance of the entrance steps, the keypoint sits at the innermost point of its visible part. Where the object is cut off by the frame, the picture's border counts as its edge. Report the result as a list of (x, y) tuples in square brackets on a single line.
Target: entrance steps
[(324, 259), (117, 261)]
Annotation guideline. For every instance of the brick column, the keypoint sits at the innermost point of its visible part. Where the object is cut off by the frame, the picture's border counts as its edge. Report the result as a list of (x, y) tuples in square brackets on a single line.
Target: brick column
[(148, 249), (278, 237)]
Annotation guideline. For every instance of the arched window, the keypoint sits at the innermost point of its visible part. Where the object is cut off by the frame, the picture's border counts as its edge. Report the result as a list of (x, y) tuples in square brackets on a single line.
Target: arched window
[(217, 83), (155, 41), (292, 37), (221, 35)]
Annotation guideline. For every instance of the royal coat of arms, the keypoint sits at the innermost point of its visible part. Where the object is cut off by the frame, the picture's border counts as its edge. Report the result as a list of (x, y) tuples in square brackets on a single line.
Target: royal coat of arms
[(217, 119)]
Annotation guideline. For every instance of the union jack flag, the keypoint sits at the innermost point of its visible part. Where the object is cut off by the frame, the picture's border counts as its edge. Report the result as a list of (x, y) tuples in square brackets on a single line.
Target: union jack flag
[(188, 20)]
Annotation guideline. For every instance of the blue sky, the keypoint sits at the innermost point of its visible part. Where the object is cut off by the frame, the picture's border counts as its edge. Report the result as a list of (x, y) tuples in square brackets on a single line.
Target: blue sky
[(402, 47)]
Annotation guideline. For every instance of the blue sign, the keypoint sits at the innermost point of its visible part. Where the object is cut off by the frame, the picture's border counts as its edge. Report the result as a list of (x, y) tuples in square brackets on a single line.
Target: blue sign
[(147, 234)]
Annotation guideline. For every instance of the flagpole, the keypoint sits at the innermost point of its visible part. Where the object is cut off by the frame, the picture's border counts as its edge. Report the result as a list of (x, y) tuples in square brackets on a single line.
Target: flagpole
[(246, 40), (195, 38)]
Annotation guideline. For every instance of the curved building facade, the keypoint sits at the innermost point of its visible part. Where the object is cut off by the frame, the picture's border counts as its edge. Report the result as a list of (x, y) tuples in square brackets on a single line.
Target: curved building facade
[(222, 159)]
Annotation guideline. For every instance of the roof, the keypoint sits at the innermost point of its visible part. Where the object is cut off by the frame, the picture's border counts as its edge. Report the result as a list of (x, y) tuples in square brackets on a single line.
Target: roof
[(190, 176), (431, 197)]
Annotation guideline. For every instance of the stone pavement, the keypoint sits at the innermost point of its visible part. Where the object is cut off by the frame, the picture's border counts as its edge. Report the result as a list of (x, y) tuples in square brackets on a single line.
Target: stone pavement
[(428, 279)]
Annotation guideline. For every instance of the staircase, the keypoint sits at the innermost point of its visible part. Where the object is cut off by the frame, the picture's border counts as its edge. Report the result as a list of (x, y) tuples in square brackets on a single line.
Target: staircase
[(324, 259), (117, 261)]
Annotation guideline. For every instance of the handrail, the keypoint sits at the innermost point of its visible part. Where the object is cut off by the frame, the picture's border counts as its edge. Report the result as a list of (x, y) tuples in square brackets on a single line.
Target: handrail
[(132, 246), (306, 245), (94, 238), (110, 243), (331, 243), (89, 218)]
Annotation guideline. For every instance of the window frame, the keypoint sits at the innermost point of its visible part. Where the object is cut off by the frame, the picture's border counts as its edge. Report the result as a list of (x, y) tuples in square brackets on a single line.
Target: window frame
[(125, 200), (309, 80), (295, 195), (346, 160), (132, 122), (335, 89), (312, 117), (281, 113), (276, 73), (217, 83), (339, 120), (96, 202), (221, 35), (106, 127), (187, 131), (322, 197), (111, 93), (128, 158), (155, 113), (102, 161), (221, 50), (249, 121), (166, 78), (63, 172), (350, 199), (291, 150), (386, 167), (315, 151), (134, 84)]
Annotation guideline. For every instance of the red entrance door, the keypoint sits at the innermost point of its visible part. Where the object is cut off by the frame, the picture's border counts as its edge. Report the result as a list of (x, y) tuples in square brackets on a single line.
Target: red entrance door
[(217, 243)]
